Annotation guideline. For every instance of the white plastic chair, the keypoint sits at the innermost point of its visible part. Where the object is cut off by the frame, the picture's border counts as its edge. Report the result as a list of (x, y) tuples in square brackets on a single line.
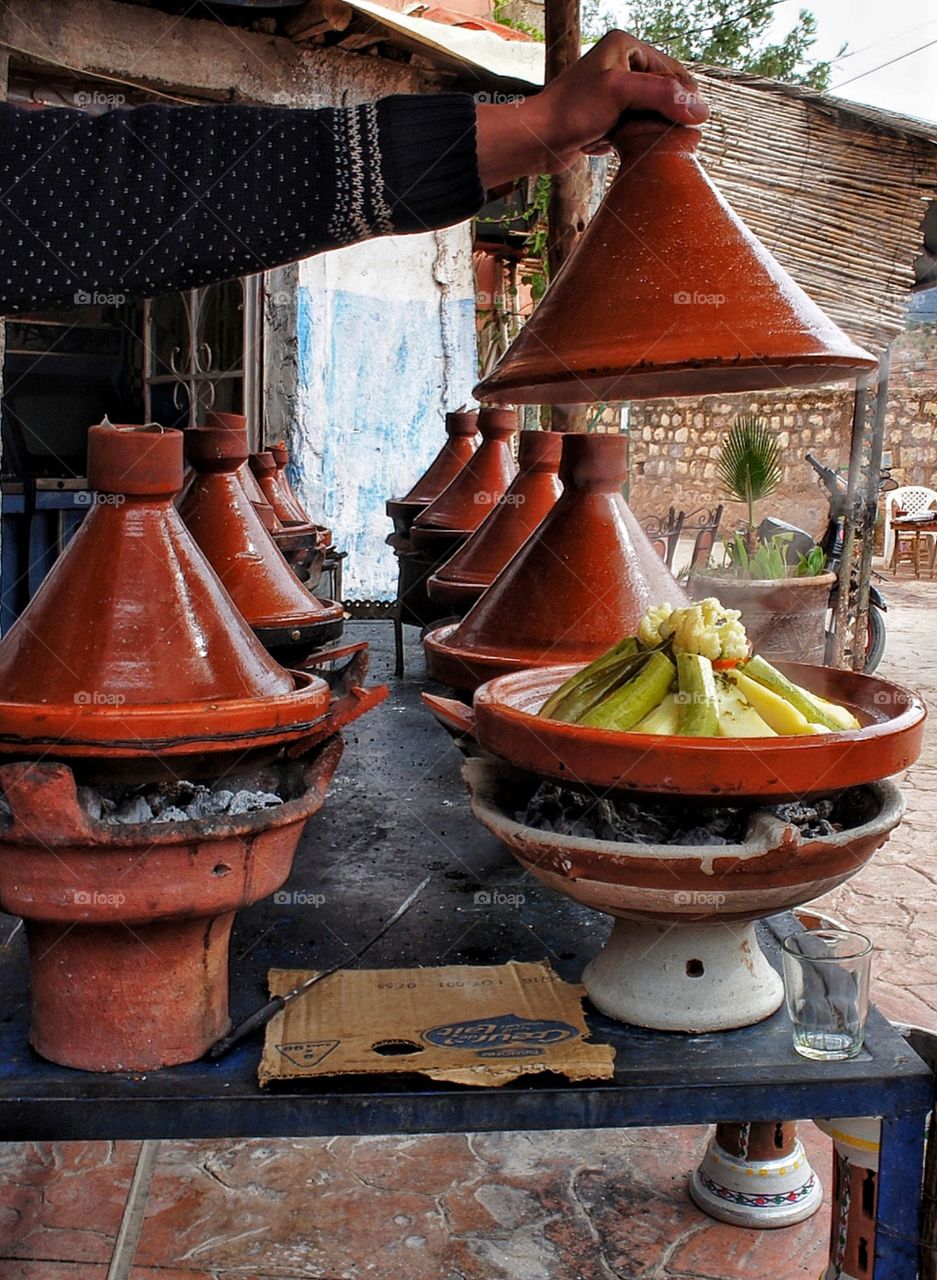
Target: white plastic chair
[(912, 499)]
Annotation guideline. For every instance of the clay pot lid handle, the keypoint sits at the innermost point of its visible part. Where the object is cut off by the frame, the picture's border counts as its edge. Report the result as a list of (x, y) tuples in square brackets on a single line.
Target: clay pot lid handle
[(462, 422), (135, 460), (650, 129)]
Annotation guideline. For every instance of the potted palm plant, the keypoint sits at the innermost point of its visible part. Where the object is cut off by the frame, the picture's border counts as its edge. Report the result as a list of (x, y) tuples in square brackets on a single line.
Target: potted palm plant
[(782, 596)]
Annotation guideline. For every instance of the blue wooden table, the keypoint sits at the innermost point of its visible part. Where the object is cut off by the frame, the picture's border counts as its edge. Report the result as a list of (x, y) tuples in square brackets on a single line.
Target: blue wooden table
[(396, 812)]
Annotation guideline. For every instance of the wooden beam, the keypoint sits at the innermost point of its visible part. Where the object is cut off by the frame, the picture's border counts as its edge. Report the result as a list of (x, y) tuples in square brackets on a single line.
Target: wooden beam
[(568, 210), (317, 17), (194, 57)]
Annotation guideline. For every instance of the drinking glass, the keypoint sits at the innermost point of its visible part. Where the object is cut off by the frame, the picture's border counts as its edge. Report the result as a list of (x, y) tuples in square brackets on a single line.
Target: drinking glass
[(826, 986)]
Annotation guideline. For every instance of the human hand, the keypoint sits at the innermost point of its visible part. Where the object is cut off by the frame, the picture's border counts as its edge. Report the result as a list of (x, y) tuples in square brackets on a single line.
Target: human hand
[(549, 131)]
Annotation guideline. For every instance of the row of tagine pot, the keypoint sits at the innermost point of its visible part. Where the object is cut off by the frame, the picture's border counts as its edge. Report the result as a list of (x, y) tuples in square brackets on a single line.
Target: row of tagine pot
[(559, 567), (157, 762)]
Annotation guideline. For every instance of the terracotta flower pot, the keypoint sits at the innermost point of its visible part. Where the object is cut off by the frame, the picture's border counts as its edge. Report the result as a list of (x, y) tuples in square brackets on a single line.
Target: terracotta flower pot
[(581, 582), (531, 494), (224, 523), (472, 495), (785, 618), (668, 294), (461, 441), (131, 657), (128, 926)]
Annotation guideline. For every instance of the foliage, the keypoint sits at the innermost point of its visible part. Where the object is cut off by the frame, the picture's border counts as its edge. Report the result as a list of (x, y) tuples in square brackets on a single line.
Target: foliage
[(769, 559), (722, 33), (812, 564), (535, 272), (749, 467), (500, 14), (749, 464)]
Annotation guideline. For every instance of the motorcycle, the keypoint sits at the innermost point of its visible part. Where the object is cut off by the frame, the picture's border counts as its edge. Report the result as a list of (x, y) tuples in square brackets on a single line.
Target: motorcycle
[(801, 543)]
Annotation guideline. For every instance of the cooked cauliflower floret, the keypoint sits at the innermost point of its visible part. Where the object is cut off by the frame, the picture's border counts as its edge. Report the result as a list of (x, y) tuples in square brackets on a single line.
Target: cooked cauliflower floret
[(705, 628), (649, 632)]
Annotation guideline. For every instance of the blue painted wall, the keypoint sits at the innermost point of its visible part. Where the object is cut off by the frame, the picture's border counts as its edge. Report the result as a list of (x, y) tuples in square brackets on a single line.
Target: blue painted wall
[(376, 376)]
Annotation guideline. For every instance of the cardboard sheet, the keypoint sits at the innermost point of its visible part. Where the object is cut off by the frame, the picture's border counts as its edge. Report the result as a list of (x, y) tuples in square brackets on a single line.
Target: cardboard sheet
[(468, 1024)]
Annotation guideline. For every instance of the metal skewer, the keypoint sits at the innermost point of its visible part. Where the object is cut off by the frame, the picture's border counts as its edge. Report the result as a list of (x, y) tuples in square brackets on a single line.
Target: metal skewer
[(262, 1016)]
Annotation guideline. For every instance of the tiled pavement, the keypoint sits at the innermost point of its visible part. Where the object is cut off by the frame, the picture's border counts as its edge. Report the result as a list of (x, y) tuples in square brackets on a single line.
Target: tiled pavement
[(567, 1206)]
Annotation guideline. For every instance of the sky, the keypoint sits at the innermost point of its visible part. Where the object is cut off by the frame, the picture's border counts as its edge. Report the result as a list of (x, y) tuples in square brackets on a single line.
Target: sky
[(876, 31)]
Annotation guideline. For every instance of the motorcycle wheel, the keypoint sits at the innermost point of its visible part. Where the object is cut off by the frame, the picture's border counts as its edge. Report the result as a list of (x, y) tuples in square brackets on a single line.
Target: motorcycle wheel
[(875, 638), (875, 643)]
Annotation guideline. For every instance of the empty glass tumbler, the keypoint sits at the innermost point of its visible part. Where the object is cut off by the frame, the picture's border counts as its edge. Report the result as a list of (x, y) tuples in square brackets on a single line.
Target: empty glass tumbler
[(826, 985)]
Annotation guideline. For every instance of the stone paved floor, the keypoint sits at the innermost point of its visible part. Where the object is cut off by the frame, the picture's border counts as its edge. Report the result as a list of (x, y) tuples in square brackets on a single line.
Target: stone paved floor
[(567, 1206)]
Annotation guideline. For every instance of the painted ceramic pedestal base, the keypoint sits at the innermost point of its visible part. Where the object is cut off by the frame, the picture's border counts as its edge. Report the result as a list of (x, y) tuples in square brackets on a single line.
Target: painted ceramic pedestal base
[(683, 977), (748, 1180), (856, 1148)]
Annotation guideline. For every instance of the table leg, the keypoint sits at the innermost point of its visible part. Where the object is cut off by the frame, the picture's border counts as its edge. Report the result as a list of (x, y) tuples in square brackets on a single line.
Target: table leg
[(899, 1197), (131, 1226)]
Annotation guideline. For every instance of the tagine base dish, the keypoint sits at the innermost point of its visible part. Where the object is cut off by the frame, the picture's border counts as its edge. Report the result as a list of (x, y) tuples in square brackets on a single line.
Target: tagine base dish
[(682, 954), (140, 740), (507, 725), (466, 669)]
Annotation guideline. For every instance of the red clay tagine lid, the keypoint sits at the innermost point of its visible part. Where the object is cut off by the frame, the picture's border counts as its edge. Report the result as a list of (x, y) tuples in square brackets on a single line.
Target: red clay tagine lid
[(669, 294), (473, 494), (461, 443), (281, 456), (531, 494), (242, 552), (264, 467), (131, 649), (582, 581)]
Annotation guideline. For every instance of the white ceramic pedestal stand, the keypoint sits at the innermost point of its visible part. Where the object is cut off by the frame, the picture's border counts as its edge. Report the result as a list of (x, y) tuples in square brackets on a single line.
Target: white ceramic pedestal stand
[(683, 977)]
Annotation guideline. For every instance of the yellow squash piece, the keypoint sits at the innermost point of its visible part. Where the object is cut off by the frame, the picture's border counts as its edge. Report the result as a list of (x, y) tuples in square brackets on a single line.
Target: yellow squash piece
[(737, 717), (776, 711), (842, 714), (663, 719)]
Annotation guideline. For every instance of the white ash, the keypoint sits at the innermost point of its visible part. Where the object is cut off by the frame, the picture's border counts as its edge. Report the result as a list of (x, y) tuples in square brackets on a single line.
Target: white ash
[(172, 802)]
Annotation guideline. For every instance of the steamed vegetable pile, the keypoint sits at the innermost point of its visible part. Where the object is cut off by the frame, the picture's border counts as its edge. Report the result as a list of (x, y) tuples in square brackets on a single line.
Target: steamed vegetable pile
[(690, 672)]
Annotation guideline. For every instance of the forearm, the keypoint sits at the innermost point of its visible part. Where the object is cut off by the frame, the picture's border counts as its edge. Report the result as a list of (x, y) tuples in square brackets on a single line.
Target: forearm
[(155, 199)]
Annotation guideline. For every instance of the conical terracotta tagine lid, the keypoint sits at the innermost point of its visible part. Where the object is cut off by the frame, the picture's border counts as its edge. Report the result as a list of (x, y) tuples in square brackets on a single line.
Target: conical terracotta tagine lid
[(475, 491), (281, 456), (669, 294), (582, 581), (131, 650), (531, 494), (264, 467), (303, 543), (461, 441), (231, 534)]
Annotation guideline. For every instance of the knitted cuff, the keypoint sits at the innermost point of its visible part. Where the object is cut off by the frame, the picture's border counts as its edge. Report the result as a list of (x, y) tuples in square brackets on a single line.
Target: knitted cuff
[(428, 160)]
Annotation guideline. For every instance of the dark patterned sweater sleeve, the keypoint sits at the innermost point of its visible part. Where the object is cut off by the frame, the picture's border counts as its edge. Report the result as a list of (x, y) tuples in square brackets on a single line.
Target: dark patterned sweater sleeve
[(147, 200)]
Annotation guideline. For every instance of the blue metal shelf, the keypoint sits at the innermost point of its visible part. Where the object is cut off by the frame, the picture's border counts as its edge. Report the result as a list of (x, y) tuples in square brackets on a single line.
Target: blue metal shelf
[(400, 811)]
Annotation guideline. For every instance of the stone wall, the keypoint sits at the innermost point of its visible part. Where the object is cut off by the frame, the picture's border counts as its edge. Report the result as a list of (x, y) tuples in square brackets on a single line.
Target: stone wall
[(675, 444)]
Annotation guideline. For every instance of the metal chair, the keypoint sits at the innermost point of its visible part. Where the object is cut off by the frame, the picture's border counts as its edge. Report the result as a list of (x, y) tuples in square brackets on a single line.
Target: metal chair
[(664, 533), (706, 523)]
